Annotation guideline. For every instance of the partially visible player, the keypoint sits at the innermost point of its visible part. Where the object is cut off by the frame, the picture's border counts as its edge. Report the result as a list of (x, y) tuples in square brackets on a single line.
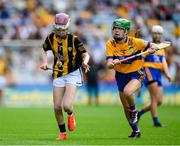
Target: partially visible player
[(154, 65), (3, 73), (69, 56), (129, 75)]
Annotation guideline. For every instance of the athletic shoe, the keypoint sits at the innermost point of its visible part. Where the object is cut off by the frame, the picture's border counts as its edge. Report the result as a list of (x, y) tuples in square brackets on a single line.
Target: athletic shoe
[(133, 117), (135, 134), (71, 122), (62, 136), (159, 125)]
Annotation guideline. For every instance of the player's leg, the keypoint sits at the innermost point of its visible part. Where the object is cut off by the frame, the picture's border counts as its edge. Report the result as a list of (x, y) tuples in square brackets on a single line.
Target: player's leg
[(69, 96), (2, 86), (123, 81), (156, 94), (156, 99), (154, 85), (147, 107), (136, 131), (127, 112), (1, 96), (58, 93), (124, 104), (72, 81), (128, 93)]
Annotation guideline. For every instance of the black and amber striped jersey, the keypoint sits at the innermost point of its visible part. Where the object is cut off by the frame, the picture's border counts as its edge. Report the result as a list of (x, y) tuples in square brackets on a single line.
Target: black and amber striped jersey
[(67, 53)]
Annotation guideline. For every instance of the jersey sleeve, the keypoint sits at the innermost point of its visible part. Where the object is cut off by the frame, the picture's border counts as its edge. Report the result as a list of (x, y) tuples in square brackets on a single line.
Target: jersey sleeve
[(109, 50), (79, 45), (47, 44)]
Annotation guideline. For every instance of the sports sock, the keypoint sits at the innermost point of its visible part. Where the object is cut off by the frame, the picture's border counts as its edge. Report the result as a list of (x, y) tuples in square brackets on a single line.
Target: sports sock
[(62, 128), (69, 113), (134, 127), (132, 107), (155, 120), (141, 112)]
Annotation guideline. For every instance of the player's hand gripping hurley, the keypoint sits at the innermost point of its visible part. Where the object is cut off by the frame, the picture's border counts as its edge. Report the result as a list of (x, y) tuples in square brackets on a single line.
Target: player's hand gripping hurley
[(160, 46)]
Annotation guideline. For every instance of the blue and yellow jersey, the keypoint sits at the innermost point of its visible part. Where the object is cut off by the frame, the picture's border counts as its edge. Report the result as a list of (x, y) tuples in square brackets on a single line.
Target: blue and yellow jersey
[(131, 47), (154, 60)]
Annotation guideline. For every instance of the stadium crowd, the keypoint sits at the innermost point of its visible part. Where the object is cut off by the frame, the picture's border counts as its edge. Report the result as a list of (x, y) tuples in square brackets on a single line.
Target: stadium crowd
[(91, 21)]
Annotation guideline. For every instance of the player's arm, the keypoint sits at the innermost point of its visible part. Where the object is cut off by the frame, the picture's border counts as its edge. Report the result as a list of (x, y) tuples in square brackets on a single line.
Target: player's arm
[(109, 56), (44, 65), (110, 61), (110, 64), (166, 69), (45, 47), (85, 56)]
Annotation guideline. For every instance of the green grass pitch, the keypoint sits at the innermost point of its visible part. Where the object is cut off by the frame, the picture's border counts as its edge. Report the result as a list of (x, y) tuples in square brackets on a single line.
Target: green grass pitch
[(103, 125)]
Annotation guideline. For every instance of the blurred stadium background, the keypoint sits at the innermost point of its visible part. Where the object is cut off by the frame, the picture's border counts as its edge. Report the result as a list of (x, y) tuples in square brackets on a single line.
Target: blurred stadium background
[(24, 25)]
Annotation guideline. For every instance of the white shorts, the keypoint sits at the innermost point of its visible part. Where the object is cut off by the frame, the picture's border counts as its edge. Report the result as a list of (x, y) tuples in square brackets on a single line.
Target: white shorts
[(74, 78), (2, 82)]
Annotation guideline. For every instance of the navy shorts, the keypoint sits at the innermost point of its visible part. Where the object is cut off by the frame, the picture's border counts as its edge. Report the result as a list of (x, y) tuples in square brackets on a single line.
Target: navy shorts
[(122, 79)]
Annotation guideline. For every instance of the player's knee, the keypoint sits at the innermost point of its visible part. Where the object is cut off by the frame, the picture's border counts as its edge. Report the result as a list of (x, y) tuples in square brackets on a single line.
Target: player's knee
[(126, 93), (66, 107), (57, 107), (159, 102)]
